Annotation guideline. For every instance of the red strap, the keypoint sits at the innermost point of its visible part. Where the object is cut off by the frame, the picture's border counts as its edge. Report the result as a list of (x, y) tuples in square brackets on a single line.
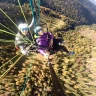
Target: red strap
[(17, 47)]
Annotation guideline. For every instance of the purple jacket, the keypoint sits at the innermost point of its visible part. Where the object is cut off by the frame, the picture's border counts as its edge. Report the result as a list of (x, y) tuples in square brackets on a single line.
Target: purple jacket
[(43, 42)]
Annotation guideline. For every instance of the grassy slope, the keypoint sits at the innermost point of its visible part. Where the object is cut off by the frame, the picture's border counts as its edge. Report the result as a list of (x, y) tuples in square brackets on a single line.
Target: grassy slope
[(82, 11), (73, 71)]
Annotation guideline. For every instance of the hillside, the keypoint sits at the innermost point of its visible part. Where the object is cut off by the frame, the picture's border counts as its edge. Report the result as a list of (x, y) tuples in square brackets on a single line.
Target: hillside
[(83, 11), (93, 1), (10, 13), (30, 76), (76, 73), (14, 1)]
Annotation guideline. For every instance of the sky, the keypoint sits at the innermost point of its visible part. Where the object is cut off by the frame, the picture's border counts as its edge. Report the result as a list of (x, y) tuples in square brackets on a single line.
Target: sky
[(94, 1)]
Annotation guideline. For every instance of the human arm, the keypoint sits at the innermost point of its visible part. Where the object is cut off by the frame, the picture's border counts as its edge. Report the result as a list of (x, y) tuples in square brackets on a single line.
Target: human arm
[(19, 42), (31, 24), (51, 39), (33, 19)]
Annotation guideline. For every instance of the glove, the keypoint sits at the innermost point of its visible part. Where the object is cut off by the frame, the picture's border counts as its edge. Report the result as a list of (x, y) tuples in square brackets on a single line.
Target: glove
[(46, 55), (51, 43), (24, 52)]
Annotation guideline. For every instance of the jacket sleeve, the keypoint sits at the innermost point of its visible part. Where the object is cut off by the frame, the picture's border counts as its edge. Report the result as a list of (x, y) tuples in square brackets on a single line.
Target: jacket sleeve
[(50, 35), (20, 43), (19, 40), (31, 24)]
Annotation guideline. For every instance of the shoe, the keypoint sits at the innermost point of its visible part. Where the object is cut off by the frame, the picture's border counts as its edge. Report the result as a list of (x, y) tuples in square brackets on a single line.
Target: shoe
[(71, 53)]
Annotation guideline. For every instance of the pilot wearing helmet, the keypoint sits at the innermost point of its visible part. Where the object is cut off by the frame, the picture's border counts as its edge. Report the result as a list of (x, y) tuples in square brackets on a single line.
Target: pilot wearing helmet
[(22, 38)]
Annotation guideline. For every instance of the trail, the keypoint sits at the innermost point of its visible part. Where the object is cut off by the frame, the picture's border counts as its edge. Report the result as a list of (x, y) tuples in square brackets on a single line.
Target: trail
[(91, 34), (88, 33)]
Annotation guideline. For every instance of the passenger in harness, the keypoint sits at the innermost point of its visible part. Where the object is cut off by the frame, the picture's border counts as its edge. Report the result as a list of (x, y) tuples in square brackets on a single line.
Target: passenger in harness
[(44, 41), (47, 44)]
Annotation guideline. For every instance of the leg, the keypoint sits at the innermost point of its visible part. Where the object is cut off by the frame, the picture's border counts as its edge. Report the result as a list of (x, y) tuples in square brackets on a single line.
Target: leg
[(63, 48), (44, 52), (56, 43), (57, 47)]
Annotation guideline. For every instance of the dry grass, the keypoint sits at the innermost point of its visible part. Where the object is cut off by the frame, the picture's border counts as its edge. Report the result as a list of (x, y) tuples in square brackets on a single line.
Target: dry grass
[(76, 72)]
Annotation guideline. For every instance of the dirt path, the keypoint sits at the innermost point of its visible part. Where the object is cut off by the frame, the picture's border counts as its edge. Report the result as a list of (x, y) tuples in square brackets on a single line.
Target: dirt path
[(91, 63), (90, 34)]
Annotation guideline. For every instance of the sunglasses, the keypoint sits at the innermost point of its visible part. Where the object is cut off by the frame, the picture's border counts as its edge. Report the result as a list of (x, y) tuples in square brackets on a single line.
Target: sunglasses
[(24, 29), (38, 30)]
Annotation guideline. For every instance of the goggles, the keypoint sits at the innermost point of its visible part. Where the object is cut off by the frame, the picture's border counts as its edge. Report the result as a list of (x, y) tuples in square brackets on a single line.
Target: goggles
[(24, 29)]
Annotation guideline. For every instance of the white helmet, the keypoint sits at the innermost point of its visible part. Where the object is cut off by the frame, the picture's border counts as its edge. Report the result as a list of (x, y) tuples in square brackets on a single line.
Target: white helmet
[(22, 25), (36, 29)]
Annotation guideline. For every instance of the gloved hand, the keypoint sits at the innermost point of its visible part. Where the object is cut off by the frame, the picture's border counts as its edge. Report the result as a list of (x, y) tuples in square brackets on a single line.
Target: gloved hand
[(51, 43), (46, 55), (25, 52)]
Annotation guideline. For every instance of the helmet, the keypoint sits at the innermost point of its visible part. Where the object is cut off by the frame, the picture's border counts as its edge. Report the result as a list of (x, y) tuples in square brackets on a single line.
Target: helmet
[(36, 29), (22, 25)]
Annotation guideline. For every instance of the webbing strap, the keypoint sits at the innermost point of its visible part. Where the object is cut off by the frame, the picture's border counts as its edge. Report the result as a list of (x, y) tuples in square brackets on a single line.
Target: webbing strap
[(32, 8)]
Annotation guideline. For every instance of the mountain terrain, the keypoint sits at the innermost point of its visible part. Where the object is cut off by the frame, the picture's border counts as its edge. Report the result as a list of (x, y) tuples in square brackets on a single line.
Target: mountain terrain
[(82, 11), (29, 75), (9, 11), (93, 1)]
